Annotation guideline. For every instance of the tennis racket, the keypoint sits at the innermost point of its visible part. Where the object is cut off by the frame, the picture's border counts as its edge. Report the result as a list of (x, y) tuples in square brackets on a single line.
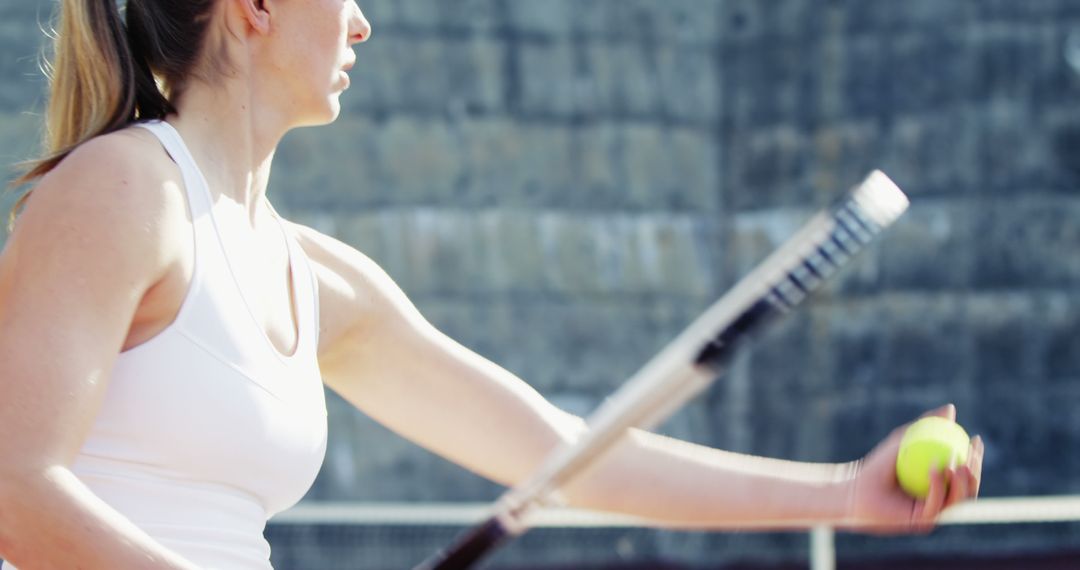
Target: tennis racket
[(697, 356)]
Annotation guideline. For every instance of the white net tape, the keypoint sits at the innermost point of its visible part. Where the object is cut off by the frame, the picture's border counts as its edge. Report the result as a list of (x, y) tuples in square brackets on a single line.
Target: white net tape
[(983, 511)]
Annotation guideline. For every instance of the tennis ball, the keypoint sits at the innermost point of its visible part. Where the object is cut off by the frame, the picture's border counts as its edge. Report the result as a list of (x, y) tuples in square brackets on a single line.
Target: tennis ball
[(929, 442)]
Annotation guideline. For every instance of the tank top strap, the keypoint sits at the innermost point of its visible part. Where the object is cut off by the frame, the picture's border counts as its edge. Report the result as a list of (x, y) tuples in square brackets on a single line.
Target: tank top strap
[(208, 241), (305, 280), (198, 191)]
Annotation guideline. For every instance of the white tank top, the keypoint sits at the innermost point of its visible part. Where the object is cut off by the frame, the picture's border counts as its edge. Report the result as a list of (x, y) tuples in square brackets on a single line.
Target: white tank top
[(207, 430)]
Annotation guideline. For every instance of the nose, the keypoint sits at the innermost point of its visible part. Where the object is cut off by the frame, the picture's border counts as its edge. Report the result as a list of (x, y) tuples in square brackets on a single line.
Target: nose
[(359, 26)]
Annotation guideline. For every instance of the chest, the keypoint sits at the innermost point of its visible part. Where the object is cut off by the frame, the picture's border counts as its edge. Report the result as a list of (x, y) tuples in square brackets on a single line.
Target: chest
[(256, 262), (211, 397), (260, 264)]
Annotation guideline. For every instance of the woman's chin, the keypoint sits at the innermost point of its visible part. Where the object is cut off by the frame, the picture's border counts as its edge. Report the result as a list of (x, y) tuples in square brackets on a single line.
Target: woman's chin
[(334, 108), (328, 113)]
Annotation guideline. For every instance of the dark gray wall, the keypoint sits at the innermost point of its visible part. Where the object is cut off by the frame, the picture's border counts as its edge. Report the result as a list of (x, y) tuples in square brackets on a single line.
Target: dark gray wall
[(563, 185)]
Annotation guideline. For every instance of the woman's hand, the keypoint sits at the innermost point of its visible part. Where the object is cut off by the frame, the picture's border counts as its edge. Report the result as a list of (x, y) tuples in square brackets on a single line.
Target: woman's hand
[(879, 505)]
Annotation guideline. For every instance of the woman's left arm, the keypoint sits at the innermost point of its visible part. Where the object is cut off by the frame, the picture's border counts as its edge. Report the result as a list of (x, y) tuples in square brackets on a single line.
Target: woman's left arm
[(381, 355)]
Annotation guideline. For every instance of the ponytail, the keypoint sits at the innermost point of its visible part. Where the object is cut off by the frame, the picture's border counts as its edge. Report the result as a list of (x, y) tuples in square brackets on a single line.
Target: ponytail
[(91, 81), (97, 84)]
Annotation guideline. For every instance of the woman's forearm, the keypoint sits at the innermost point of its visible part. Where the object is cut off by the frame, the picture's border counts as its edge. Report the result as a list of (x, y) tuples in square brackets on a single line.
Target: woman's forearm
[(678, 484), (501, 428), (52, 520)]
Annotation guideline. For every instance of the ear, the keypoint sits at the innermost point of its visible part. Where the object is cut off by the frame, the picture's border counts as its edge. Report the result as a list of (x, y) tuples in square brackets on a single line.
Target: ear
[(256, 13)]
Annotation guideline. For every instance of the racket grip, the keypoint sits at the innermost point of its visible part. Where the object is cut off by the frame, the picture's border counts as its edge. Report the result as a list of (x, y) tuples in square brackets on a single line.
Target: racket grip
[(470, 548)]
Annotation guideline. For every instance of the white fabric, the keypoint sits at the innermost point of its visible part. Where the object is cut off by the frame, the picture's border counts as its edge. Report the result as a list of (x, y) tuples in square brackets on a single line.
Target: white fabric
[(207, 430)]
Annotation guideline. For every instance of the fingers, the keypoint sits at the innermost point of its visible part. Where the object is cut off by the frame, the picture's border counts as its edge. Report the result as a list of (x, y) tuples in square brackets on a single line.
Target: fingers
[(975, 460), (959, 486), (926, 512), (956, 484)]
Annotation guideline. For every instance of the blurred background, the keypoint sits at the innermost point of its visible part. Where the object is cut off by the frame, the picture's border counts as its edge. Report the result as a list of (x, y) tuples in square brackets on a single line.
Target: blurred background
[(563, 185)]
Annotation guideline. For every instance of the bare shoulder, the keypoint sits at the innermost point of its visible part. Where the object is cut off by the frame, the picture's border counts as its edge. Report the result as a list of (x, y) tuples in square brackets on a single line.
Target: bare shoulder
[(91, 241), (330, 251), (116, 200), (355, 294), (120, 184)]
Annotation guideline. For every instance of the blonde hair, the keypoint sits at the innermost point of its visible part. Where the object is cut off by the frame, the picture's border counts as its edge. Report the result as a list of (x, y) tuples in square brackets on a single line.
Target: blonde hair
[(106, 74)]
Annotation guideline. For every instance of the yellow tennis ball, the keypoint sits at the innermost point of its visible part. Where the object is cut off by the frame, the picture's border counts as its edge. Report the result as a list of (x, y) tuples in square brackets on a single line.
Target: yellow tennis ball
[(929, 442)]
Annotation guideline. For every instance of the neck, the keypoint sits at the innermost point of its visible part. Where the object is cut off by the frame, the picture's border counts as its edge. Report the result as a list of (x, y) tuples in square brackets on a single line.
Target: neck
[(233, 139)]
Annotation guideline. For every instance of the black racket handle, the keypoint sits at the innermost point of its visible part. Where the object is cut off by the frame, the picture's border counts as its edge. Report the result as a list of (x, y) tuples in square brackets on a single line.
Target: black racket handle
[(469, 549)]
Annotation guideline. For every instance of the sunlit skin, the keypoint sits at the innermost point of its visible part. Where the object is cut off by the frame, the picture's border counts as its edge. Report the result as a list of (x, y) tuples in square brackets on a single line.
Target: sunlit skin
[(304, 58), (285, 66)]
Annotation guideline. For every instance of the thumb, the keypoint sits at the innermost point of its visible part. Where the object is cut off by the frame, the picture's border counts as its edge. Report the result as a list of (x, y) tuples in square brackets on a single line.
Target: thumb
[(948, 411)]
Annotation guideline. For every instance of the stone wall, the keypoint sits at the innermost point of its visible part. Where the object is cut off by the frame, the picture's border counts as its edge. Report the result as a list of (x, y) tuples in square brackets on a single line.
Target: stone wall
[(563, 185)]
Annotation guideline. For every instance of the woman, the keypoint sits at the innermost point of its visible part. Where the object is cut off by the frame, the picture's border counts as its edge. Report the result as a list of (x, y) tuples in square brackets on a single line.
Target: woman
[(165, 334)]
